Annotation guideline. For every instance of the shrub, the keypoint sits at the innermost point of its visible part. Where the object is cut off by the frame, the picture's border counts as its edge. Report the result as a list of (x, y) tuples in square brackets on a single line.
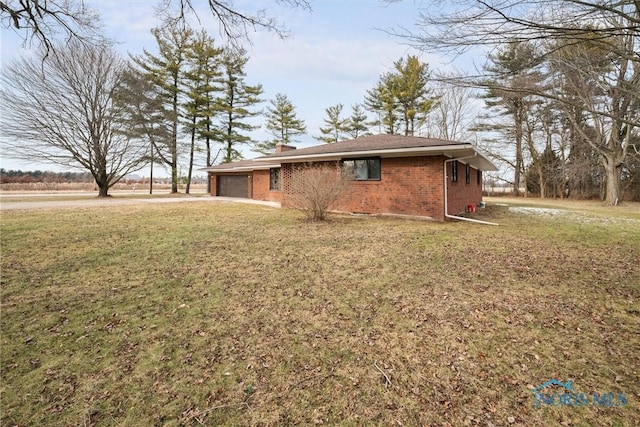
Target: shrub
[(315, 188)]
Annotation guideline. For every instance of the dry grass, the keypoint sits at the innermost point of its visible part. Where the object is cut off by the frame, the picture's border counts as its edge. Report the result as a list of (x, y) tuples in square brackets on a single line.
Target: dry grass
[(205, 314)]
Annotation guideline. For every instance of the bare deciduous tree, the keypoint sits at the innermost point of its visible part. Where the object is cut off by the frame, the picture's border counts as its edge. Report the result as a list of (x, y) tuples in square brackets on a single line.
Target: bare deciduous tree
[(61, 110), (453, 114), (609, 101)]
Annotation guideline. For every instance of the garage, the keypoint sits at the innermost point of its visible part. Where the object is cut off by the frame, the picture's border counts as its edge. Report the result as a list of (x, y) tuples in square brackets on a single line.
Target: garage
[(233, 185)]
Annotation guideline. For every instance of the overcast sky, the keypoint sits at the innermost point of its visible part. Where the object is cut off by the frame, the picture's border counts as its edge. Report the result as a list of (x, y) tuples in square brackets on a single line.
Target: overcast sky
[(335, 53)]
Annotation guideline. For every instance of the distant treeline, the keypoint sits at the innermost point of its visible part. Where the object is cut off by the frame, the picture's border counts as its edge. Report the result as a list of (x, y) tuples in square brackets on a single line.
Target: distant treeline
[(12, 176)]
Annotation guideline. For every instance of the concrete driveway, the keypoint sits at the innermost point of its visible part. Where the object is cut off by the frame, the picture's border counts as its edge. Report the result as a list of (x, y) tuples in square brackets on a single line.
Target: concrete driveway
[(16, 201)]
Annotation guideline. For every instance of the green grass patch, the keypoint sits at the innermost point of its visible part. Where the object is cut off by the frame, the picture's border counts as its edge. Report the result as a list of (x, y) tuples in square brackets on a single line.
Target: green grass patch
[(224, 314)]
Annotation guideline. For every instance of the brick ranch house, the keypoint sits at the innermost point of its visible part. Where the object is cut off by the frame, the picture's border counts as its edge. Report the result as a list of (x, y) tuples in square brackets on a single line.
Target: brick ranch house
[(393, 174)]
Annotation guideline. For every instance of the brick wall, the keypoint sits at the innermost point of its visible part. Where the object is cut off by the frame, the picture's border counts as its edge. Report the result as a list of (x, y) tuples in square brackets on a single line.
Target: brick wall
[(261, 185), (460, 193), (214, 187), (408, 186), (258, 185)]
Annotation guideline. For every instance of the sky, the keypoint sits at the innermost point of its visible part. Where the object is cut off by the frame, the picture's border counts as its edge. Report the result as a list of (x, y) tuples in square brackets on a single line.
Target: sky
[(336, 52)]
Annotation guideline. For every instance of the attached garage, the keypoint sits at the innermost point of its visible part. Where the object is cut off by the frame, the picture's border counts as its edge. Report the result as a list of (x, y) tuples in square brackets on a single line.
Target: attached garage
[(233, 185), (245, 179)]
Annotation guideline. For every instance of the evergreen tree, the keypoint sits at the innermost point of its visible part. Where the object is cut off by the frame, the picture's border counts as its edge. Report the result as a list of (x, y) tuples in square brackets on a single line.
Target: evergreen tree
[(401, 97), (411, 92), (141, 100), (235, 104), (509, 94), (203, 60), (282, 123), (382, 102), (335, 127), (547, 183), (165, 72), (357, 125)]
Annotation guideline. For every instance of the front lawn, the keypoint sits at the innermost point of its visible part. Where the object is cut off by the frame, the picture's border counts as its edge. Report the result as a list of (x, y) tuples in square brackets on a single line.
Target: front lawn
[(224, 314)]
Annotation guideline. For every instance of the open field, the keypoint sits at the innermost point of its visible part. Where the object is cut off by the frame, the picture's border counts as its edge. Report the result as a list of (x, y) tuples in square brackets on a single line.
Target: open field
[(225, 314)]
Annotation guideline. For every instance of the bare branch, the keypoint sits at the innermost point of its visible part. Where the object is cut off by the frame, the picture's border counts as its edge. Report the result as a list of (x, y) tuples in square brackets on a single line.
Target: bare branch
[(42, 21), (66, 115), (235, 25)]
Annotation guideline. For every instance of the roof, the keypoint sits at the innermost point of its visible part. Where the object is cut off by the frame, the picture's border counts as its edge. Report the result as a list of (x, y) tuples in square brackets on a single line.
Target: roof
[(383, 145), (242, 166)]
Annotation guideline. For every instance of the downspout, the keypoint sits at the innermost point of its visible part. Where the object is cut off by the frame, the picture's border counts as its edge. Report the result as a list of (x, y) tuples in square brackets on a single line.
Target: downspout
[(446, 195)]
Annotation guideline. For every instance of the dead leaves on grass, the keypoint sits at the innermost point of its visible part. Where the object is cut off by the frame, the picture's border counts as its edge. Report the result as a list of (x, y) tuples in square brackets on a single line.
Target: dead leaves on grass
[(262, 320)]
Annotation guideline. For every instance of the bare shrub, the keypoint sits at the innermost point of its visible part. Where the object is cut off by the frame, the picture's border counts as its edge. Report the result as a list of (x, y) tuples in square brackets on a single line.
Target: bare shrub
[(315, 188)]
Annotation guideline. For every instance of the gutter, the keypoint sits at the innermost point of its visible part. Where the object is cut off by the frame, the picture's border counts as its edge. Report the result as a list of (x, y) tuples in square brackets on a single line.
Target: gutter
[(214, 169), (446, 195), (416, 151)]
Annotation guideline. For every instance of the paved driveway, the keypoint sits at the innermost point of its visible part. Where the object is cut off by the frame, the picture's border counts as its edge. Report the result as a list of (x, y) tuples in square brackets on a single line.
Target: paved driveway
[(6, 202)]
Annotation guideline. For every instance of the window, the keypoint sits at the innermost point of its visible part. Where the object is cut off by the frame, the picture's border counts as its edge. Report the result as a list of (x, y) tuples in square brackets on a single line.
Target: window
[(454, 171), (479, 176), (467, 173), (363, 169), (274, 179)]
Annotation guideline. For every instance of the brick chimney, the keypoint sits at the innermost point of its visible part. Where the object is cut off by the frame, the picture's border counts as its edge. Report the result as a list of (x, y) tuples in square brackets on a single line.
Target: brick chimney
[(282, 147)]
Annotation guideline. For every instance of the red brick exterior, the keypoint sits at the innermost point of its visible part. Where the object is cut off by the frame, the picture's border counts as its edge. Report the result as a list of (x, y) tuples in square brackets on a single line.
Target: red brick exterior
[(214, 187), (408, 186), (462, 194), (258, 185)]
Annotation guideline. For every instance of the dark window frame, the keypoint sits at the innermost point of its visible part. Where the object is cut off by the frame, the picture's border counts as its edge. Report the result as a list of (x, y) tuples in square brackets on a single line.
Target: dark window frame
[(371, 168), (274, 179), (467, 173), (454, 171), (479, 176)]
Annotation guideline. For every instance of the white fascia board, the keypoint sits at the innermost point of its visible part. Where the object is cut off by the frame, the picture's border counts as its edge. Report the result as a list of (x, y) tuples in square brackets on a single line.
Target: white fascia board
[(452, 151), (241, 168), (388, 152), (480, 161)]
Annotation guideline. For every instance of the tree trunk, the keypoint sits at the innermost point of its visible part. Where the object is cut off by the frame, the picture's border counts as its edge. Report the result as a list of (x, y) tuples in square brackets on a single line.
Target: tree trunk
[(193, 143), (103, 191), (543, 184), (151, 172), (174, 156), (519, 160), (174, 177), (208, 145), (613, 171)]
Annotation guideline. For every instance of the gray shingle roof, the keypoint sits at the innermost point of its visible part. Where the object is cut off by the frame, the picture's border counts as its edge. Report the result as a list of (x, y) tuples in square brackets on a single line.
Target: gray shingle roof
[(377, 145), (240, 165), (368, 143)]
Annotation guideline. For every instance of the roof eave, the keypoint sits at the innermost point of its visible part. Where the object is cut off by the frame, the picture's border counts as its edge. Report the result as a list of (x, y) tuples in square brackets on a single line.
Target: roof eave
[(386, 152), (451, 151), (214, 169)]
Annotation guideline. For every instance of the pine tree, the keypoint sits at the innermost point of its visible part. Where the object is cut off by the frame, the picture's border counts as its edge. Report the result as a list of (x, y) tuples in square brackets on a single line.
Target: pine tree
[(282, 123), (411, 92), (357, 125), (235, 104), (203, 60), (165, 72), (335, 127), (382, 102), (401, 97), (509, 95)]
